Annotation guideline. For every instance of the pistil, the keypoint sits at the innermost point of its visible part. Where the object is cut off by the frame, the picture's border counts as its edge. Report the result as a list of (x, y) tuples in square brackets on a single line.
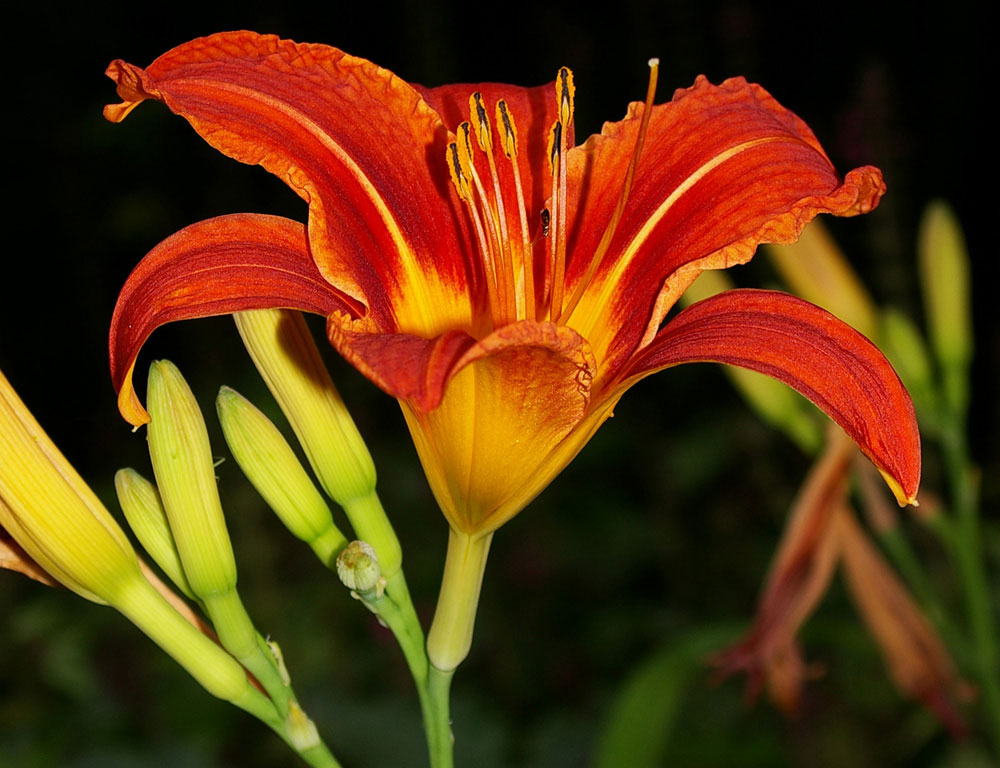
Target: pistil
[(609, 231)]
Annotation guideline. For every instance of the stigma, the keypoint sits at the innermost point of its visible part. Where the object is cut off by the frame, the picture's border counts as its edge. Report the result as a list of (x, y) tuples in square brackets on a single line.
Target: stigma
[(525, 278)]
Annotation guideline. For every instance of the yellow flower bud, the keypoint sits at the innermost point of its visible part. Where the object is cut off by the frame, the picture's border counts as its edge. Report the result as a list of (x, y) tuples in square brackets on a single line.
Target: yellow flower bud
[(272, 467), (185, 474), (52, 513), (55, 517), (289, 362), (140, 501), (944, 275), (816, 269)]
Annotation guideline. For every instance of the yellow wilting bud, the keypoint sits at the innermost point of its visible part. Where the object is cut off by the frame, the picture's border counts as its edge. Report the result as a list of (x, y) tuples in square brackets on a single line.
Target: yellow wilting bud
[(774, 402), (816, 269), (272, 467), (358, 568), (289, 362), (944, 275), (140, 501), (185, 474), (52, 513)]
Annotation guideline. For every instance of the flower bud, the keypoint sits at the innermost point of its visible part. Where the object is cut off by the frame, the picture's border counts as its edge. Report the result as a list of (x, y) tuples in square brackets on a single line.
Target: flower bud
[(185, 475), (289, 362), (905, 348), (141, 504), (816, 269), (53, 515), (358, 568), (272, 467), (944, 275)]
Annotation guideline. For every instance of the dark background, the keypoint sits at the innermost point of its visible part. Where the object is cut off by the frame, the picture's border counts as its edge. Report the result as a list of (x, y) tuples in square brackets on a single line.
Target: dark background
[(662, 527)]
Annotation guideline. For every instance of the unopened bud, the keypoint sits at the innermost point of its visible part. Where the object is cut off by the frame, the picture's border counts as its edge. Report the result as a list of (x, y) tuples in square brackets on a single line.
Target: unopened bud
[(358, 568), (906, 350), (272, 467), (53, 515), (301, 731), (944, 275), (185, 474), (290, 364), (816, 269), (143, 509)]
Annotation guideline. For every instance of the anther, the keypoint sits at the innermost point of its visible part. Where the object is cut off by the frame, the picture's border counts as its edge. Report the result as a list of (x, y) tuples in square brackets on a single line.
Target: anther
[(480, 122), (458, 178), (508, 136), (565, 93)]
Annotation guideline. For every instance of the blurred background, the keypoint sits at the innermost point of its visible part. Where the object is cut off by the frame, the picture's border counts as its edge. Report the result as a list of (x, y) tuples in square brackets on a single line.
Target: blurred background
[(656, 537)]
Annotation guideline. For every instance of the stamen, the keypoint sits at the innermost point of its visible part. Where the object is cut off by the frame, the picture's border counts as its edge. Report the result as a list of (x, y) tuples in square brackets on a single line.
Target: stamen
[(557, 143), (609, 231), (493, 256), (460, 166), (505, 274), (565, 94), (508, 140)]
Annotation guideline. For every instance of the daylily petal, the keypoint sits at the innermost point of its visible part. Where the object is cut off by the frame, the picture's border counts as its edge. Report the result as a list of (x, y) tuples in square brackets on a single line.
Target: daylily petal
[(216, 267), (723, 168), (797, 580), (913, 651), (811, 351), (526, 386), (354, 141)]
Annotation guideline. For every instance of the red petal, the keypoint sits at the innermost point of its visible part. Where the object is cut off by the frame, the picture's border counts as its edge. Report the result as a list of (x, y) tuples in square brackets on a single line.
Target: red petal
[(811, 351), (215, 267), (356, 142), (723, 168)]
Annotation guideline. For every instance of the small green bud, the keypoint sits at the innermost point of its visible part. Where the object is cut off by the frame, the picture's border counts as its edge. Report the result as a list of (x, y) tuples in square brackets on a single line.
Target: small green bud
[(358, 569), (140, 501), (185, 474), (272, 467), (944, 275), (290, 364), (906, 349), (301, 731)]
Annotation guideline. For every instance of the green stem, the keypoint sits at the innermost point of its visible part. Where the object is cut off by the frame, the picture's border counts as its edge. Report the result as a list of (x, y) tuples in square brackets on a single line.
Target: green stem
[(971, 565), (440, 739), (450, 637)]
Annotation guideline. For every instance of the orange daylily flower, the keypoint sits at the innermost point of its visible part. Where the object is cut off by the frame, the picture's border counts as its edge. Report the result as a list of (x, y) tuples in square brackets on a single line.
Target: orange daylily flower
[(823, 532), (504, 284)]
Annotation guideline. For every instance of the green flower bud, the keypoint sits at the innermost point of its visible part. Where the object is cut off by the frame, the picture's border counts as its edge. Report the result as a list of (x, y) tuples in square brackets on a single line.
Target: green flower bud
[(185, 474), (358, 568), (272, 467), (301, 731), (944, 275), (816, 269), (289, 362), (906, 349), (140, 501), (53, 515)]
